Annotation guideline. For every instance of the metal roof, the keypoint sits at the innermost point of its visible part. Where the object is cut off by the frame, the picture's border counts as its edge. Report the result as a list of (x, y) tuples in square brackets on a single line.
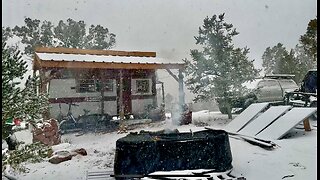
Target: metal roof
[(104, 58)]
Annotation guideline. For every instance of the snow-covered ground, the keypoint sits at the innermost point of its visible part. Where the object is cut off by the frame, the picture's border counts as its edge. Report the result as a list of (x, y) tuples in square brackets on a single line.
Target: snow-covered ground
[(294, 158)]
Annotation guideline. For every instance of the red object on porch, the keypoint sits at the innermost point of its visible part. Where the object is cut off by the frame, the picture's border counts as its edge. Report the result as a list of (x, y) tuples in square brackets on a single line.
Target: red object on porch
[(17, 122)]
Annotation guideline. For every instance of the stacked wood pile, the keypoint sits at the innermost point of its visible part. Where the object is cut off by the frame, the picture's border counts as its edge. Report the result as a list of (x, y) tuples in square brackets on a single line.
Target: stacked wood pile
[(47, 133)]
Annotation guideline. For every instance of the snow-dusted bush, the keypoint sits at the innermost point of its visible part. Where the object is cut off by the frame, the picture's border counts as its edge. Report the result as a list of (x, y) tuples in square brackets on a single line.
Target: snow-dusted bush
[(35, 152)]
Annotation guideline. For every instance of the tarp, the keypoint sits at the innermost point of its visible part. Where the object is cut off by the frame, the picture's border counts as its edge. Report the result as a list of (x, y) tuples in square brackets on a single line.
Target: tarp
[(144, 153)]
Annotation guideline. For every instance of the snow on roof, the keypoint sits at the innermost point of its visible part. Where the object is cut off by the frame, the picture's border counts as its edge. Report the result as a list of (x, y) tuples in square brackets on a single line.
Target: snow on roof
[(104, 58)]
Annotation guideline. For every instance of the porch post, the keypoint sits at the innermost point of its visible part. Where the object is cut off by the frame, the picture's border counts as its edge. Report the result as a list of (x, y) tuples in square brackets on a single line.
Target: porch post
[(181, 91), (102, 95), (102, 89), (37, 87), (43, 89), (163, 97), (121, 96)]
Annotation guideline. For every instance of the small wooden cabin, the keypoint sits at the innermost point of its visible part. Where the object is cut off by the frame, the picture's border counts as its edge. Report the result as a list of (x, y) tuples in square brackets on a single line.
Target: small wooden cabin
[(101, 81)]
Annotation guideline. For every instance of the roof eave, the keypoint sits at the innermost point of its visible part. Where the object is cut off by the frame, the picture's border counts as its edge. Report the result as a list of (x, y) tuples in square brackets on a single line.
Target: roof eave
[(104, 65)]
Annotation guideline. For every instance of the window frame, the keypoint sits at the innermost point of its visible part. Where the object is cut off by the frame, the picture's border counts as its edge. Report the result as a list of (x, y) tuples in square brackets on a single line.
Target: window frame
[(93, 83), (141, 86)]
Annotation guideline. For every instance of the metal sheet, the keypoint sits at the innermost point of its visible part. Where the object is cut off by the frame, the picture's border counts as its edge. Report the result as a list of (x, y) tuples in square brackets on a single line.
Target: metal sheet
[(264, 120), (286, 122), (245, 117)]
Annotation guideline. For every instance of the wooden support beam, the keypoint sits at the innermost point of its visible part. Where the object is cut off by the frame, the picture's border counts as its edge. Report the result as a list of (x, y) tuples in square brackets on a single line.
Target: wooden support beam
[(181, 90), (121, 105), (306, 124), (163, 96), (154, 89), (36, 63), (179, 79), (43, 89), (103, 84), (173, 75)]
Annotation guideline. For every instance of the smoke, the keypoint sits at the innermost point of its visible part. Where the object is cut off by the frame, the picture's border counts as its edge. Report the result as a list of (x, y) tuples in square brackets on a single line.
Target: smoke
[(173, 120)]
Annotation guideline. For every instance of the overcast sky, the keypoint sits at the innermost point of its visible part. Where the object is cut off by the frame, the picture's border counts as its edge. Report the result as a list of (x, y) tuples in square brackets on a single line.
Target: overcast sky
[(169, 26)]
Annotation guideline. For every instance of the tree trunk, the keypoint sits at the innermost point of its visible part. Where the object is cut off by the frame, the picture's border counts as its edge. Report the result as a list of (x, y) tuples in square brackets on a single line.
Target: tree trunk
[(229, 110)]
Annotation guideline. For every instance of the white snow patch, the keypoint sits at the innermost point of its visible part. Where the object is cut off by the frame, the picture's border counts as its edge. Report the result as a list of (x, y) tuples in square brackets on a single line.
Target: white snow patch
[(296, 154)]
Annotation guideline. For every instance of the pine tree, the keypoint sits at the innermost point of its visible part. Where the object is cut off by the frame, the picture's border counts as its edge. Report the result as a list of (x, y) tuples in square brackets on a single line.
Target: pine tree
[(273, 59), (70, 34), (99, 38), (6, 33), (303, 63), (219, 69), (309, 39), (17, 101), (277, 60)]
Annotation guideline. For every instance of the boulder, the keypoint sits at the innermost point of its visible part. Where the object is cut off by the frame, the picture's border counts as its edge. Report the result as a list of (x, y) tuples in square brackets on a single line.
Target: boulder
[(65, 155), (80, 151), (60, 156)]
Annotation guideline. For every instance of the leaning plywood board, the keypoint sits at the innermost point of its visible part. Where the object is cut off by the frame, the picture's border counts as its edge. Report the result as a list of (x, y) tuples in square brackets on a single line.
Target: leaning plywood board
[(286, 122), (245, 117), (264, 120)]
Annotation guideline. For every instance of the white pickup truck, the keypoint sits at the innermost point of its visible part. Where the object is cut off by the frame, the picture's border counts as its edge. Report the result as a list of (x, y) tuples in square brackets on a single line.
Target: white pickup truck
[(270, 88)]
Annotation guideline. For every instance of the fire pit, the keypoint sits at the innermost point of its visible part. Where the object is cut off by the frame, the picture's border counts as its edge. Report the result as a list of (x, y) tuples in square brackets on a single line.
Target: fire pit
[(146, 152)]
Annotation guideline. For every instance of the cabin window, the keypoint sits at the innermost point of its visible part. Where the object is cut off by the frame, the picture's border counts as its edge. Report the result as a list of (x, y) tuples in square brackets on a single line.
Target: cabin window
[(142, 86), (94, 85), (108, 87), (87, 85)]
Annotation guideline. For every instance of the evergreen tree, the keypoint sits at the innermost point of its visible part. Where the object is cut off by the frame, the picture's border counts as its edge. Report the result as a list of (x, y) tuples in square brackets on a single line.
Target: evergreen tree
[(70, 34), (277, 60), (18, 102), (6, 34), (274, 59), (100, 38), (289, 64), (309, 39), (34, 34), (219, 69), (303, 63)]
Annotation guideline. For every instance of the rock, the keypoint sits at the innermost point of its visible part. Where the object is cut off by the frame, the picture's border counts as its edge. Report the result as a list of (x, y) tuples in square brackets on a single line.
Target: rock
[(60, 156), (59, 159), (65, 154), (80, 151)]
